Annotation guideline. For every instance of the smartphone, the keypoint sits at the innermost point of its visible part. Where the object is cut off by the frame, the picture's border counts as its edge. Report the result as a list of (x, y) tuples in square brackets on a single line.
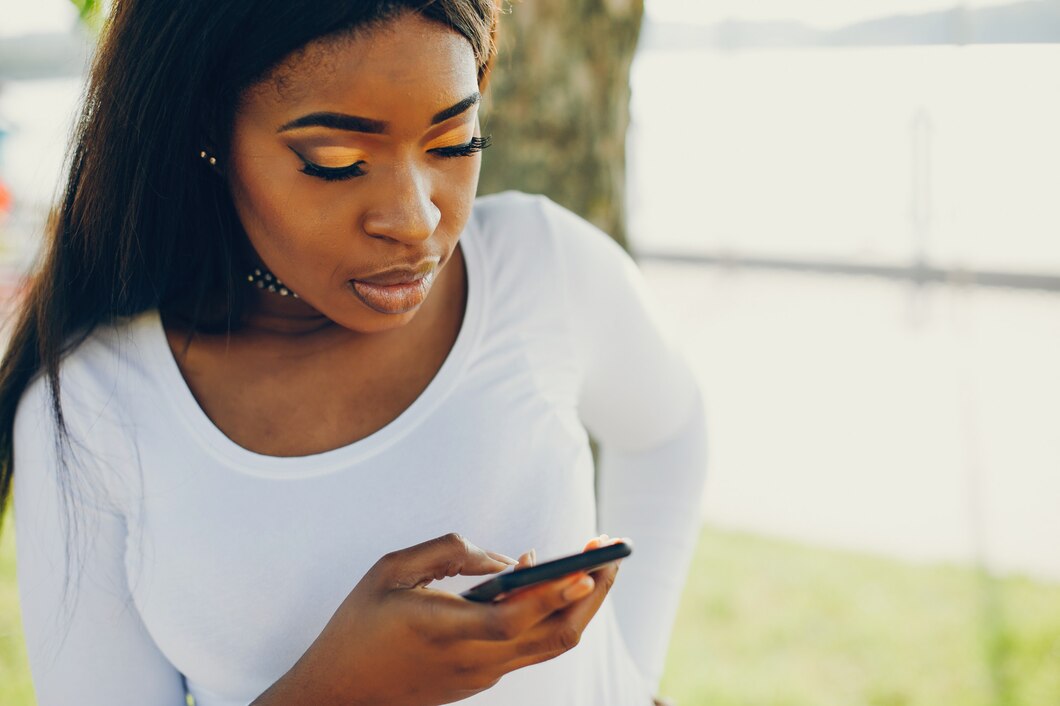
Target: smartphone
[(521, 578)]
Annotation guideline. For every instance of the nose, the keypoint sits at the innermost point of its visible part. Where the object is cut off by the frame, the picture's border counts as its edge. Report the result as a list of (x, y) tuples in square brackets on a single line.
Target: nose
[(402, 208)]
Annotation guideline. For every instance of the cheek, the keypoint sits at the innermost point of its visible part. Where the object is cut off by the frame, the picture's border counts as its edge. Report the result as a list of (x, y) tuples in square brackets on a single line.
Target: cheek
[(277, 204), (454, 188), (256, 183)]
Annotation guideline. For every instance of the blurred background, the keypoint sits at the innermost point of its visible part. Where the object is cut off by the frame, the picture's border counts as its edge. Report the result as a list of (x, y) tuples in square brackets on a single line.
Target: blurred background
[(848, 213)]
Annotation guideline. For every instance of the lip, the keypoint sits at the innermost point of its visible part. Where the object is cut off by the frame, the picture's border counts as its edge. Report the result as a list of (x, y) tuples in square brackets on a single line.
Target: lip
[(395, 291)]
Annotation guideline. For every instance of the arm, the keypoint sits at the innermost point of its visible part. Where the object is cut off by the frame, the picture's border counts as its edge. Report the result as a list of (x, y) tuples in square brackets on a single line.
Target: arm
[(86, 642), (653, 496), (642, 404)]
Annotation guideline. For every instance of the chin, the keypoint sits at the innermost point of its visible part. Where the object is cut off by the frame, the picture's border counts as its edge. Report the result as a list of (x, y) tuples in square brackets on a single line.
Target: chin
[(374, 322)]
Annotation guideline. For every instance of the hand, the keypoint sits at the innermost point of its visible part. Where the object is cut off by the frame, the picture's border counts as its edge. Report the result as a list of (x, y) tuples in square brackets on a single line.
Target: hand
[(396, 641)]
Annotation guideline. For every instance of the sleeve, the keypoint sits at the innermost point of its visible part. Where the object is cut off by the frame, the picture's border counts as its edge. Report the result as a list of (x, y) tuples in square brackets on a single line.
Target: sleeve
[(85, 640), (641, 403)]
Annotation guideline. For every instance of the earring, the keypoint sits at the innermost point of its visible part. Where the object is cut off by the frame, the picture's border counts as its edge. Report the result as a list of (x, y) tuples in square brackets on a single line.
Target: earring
[(208, 157)]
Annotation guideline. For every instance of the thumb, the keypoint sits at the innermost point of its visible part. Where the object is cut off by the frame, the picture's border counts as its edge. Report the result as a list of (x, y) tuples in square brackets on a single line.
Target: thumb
[(435, 559)]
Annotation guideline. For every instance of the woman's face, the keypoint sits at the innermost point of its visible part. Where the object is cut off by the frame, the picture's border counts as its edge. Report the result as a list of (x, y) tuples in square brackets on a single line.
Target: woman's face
[(354, 166)]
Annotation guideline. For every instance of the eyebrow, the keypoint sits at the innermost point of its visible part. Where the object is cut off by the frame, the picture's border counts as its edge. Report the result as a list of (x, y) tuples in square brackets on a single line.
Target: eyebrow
[(454, 110), (355, 123)]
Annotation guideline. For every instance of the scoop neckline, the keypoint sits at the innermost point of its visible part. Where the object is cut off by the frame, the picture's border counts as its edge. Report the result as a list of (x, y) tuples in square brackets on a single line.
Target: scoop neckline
[(178, 394)]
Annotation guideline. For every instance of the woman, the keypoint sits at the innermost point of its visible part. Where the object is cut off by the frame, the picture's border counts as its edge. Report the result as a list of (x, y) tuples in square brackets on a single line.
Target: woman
[(279, 362)]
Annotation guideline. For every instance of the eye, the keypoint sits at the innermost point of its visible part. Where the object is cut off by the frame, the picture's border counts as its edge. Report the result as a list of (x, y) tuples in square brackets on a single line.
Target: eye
[(330, 173), (477, 144)]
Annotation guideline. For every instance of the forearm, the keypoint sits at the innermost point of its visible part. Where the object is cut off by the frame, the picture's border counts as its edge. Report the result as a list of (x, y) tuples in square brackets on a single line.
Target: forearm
[(309, 683), (292, 689)]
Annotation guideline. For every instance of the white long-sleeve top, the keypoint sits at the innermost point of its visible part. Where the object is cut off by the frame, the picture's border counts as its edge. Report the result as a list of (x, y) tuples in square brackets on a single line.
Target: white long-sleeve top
[(174, 559)]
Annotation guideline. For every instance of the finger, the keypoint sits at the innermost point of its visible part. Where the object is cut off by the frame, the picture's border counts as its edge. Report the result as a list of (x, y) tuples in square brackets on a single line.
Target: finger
[(517, 616), (562, 630), (435, 559), (502, 558), (528, 559), (604, 541), (595, 543), (447, 616), (521, 610)]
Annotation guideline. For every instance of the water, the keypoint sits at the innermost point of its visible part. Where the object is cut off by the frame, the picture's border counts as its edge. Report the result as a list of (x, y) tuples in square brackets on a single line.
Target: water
[(870, 155), (875, 415)]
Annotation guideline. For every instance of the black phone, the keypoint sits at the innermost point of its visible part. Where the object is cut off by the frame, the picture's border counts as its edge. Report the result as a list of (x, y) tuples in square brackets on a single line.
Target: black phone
[(521, 578)]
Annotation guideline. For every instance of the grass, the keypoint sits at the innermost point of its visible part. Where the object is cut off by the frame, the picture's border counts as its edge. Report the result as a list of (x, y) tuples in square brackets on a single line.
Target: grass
[(15, 687), (771, 623)]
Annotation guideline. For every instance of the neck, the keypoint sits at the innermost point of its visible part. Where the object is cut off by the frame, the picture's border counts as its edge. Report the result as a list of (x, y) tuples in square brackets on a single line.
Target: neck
[(287, 325)]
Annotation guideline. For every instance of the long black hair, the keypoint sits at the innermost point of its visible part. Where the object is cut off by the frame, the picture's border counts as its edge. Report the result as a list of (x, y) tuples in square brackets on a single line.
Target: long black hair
[(142, 222)]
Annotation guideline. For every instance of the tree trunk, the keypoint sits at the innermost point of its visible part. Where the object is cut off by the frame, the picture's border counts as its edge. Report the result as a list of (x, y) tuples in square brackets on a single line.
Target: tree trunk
[(558, 105)]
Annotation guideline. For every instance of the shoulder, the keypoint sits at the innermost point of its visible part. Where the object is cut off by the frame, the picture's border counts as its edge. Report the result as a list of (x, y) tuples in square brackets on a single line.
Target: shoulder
[(519, 229), (97, 379), (96, 372), (533, 218)]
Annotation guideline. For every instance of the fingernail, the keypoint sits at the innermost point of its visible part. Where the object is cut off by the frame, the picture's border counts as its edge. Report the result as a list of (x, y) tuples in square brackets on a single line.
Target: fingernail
[(579, 589), (533, 557)]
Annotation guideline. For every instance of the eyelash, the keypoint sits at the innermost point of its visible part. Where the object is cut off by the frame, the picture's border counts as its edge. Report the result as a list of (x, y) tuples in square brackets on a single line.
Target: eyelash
[(476, 145), (331, 173)]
